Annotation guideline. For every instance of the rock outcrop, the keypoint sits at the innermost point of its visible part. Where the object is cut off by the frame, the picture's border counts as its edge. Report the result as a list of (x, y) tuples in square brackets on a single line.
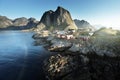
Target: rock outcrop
[(82, 67), (98, 59), (58, 67), (59, 19)]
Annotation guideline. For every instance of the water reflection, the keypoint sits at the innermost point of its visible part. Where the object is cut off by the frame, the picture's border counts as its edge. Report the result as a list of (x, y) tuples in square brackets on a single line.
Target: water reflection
[(19, 59)]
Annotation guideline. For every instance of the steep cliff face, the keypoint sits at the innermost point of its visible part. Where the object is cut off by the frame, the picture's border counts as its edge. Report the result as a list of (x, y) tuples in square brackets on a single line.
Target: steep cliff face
[(59, 19)]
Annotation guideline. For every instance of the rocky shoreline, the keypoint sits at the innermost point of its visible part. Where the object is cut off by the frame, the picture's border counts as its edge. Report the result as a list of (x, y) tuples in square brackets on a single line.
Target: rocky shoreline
[(80, 65), (66, 66)]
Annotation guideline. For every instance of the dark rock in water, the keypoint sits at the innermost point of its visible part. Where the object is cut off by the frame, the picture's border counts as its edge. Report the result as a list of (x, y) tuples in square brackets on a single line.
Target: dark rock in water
[(82, 67), (59, 19), (36, 36), (40, 41)]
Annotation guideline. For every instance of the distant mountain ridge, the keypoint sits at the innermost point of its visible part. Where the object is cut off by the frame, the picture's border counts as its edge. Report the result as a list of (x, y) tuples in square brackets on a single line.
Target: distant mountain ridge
[(82, 24), (59, 19), (5, 22), (17, 24)]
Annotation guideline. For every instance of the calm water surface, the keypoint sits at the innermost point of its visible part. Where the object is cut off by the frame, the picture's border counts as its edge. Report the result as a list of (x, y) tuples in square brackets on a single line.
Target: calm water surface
[(19, 58)]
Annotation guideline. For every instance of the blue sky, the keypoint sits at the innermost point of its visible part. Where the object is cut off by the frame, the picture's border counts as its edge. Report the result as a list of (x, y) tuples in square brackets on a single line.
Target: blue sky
[(104, 12)]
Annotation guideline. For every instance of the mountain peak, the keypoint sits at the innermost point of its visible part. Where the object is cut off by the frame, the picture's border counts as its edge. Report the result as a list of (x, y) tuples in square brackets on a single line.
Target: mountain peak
[(60, 19), (50, 11), (60, 9)]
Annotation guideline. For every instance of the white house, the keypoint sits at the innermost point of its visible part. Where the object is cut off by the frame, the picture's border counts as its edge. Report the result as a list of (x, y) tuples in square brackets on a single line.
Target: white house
[(69, 36)]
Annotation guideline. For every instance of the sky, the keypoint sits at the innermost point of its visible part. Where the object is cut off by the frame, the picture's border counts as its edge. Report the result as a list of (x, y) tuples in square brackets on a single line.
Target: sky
[(96, 12)]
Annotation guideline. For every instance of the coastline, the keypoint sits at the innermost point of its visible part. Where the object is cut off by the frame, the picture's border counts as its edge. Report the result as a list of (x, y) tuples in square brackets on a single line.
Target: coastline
[(75, 65)]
